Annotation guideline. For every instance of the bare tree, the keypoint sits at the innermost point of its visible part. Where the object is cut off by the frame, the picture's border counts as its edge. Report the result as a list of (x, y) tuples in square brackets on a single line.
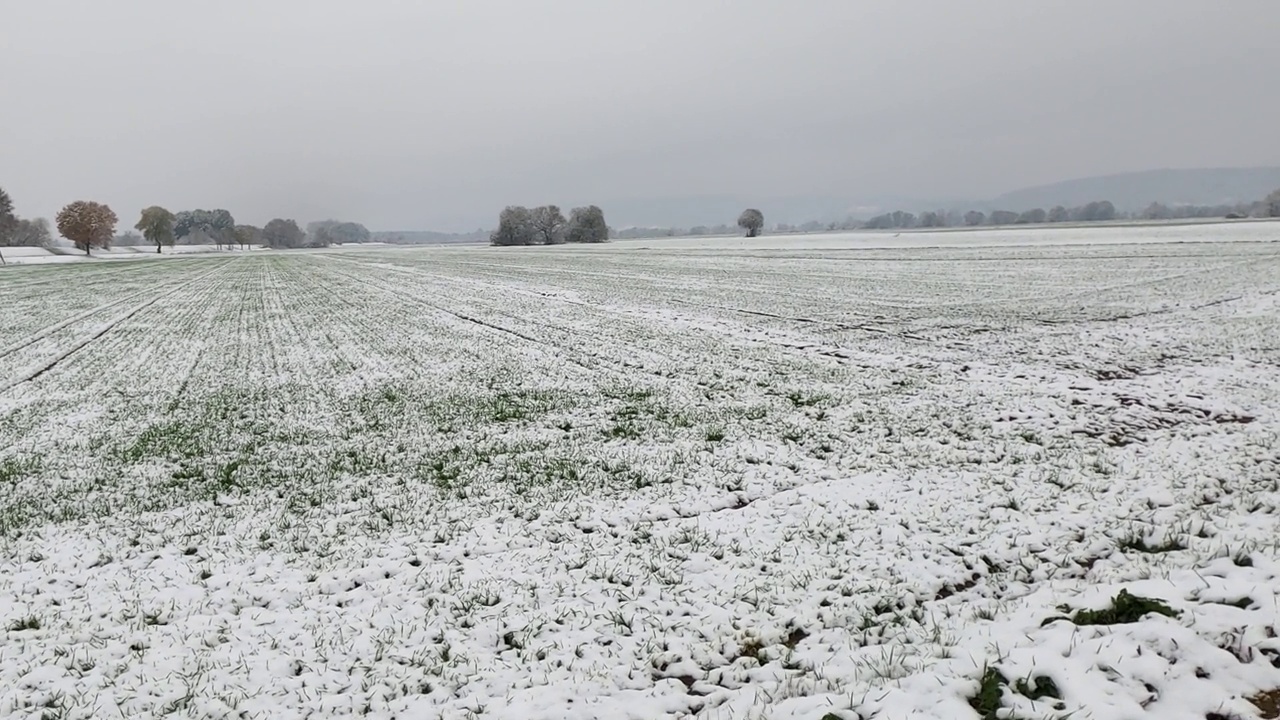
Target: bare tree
[(974, 218), (549, 224), (752, 221), (28, 233), (128, 238), (1058, 214), (1273, 204), (8, 221)]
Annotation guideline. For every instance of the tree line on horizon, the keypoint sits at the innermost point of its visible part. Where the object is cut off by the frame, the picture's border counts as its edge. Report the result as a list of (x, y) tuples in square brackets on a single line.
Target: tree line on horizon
[(89, 225), (546, 225), (1099, 211)]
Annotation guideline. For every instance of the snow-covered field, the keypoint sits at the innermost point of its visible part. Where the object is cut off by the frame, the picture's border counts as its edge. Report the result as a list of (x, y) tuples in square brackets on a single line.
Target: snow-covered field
[(59, 255), (786, 478)]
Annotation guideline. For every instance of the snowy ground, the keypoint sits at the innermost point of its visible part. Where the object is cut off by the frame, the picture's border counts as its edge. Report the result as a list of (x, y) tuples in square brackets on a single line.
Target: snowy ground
[(59, 255), (787, 478)]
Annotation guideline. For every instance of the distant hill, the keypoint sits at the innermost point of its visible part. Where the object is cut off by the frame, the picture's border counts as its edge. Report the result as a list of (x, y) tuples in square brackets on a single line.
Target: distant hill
[(695, 210), (1129, 192), (686, 212), (428, 237), (1135, 191)]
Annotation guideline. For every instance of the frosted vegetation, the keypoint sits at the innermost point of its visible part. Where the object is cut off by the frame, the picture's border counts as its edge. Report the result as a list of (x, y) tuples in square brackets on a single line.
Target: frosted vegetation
[(964, 475)]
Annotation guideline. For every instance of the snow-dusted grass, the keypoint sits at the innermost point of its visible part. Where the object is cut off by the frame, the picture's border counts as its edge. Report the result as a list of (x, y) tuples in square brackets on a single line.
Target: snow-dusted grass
[(783, 479), (61, 255), (1126, 233)]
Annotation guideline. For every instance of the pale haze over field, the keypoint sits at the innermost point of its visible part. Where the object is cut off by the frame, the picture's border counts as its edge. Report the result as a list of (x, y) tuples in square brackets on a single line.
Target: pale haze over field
[(433, 115)]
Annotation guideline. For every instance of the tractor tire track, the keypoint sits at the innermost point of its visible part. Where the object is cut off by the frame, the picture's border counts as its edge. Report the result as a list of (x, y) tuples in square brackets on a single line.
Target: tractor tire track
[(48, 330), (620, 363), (561, 352), (113, 273), (107, 327), (51, 329), (804, 349)]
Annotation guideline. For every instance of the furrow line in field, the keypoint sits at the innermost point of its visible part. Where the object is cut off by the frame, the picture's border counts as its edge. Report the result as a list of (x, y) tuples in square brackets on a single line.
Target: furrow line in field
[(104, 329), (788, 289), (111, 273), (275, 323), (550, 270), (130, 373), (372, 282), (811, 321), (49, 330), (626, 348), (268, 289), (807, 346), (254, 353), (198, 324), (88, 313), (293, 347), (340, 330), (410, 334), (632, 316), (668, 346), (316, 324), (735, 290), (27, 314), (631, 343), (470, 318)]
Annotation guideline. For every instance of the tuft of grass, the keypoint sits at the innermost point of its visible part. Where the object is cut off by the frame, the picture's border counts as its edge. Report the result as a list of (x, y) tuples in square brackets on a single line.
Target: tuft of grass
[(802, 399), (443, 471), (624, 430), (173, 438), (1268, 704), (1138, 542), (990, 693), (13, 470), (1125, 608), (794, 435), (752, 647), (31, 622), (1039, 688), (987, 701)]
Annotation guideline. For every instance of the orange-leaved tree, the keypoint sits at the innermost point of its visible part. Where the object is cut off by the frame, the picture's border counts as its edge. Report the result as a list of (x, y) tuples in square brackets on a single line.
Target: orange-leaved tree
[(87, 224)]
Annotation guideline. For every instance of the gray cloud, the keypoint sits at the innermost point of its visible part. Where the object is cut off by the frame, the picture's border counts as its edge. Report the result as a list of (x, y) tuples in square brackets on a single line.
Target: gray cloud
[(434, 115)]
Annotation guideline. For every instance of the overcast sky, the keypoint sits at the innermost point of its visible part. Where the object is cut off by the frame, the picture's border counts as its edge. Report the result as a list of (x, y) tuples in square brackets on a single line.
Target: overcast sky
[(433, 115)]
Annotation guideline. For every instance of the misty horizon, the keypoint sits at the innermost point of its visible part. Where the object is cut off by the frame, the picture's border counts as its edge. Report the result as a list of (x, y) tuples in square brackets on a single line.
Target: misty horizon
[(435, 118)]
